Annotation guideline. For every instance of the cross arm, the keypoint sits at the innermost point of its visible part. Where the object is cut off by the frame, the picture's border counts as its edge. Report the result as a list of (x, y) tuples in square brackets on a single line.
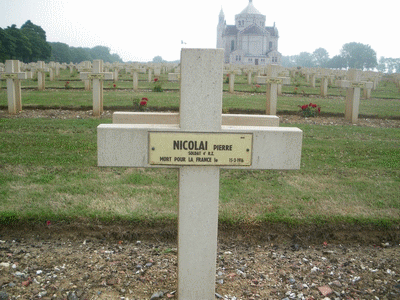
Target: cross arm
[(277, 80), (20, 75), (101, 76), (351, 84), (126, 145)]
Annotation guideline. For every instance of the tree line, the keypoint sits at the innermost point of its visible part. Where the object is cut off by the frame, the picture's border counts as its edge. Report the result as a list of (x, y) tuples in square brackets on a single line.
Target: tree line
[(352, 55), (61, 52), (29, 44)]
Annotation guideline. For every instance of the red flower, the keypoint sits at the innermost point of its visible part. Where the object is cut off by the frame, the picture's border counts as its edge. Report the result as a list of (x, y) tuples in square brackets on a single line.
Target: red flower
[(114, 85), (257, 85), (304, 107), (145, 99), (314, 105), (48, 223), (143, 103), (155, 79), (67, 82), (319, 109), (295, 88)]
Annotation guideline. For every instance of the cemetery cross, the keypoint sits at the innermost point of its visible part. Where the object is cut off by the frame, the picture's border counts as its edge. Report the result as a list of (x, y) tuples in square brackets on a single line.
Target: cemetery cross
[(41, 69), (353, 85), (97, 76), (199, 145), (13, 76), (272, 81)]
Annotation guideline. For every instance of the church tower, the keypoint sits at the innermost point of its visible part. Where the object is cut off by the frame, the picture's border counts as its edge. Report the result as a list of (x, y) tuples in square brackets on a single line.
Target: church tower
[(249, 41), (220, 29)]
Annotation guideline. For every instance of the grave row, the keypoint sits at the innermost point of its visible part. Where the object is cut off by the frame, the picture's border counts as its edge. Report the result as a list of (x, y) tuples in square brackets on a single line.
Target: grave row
[(273, 77)]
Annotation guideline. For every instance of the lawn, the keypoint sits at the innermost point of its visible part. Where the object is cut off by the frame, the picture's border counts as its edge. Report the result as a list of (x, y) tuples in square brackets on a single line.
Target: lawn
[(48, 167), (48, 171)]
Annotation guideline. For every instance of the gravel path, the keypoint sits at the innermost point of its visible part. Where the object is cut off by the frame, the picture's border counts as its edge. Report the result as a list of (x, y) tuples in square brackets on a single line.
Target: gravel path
[(109, 262)]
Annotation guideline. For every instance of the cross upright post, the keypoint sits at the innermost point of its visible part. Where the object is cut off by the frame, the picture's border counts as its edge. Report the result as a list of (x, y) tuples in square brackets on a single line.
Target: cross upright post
[(41, 75), (272, 81), (199, 146), (135, 80), (86, 69), (97, 76)]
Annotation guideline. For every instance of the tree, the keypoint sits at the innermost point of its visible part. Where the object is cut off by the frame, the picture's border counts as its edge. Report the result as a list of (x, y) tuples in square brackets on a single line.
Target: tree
[(100, 52), (382, 65), (304, 59), (22, 50), (80, 54), (157, 59), (40, 48), (115, 58), (337, 62), (60, 52), (320, 57), (359, 56), (7, 46)]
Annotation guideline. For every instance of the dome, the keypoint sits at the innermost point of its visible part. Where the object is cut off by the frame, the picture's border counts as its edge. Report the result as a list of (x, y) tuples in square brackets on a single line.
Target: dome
[(250, 9)]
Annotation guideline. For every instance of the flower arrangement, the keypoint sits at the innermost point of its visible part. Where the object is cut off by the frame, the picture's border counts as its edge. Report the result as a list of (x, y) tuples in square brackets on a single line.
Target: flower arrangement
[(227, 78), (310, 110), (140, 104), (256, 88), (67, 85), (157, 85)]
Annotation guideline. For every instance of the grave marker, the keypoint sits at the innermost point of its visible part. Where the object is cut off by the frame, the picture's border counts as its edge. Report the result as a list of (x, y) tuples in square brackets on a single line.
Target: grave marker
[(353, 85), (199, 146), (86, 68), (135, 80), (97, 76), (41, 69), (272, 81), (174, 77), (231, 75), (13, 77)]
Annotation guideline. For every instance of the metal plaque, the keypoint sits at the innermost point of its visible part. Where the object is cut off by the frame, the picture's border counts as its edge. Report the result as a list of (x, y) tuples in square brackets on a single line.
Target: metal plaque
[(200, 149), (274, 80), (357, 85), (95, 76), (10, 76)]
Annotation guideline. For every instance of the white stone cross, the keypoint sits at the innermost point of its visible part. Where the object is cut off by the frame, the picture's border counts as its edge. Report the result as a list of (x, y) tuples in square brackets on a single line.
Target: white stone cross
[(97, 76), (174, 77), (353, 85), (86, 68), (272, 81), (52, 70), (41, 69), (231, 76), (14, 76), (199, 146)]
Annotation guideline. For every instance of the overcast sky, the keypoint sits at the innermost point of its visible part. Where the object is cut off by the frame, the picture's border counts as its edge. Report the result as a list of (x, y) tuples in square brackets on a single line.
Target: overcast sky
[(138, 30)]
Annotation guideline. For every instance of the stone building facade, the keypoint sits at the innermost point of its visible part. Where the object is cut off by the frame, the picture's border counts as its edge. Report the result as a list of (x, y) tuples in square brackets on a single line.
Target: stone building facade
[(249, 41)]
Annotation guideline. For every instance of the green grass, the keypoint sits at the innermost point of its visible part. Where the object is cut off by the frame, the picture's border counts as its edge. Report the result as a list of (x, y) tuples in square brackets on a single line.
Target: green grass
[(48, 168), (48, 171), (384, 101)]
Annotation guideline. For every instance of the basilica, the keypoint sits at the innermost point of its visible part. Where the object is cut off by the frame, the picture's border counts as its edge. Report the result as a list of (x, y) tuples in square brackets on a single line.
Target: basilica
[(249, 41)]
